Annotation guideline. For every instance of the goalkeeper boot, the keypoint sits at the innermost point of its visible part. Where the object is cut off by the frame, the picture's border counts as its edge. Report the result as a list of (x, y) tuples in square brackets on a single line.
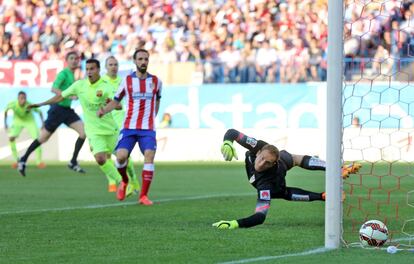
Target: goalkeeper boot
[(354, 167), (144, 200), (14, 165), (350, 169), (120, 193), (343, 197)]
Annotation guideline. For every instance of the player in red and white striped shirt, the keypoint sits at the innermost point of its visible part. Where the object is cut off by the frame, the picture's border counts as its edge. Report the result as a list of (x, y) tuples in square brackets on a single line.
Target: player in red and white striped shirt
[(142, 92), (142, 100)]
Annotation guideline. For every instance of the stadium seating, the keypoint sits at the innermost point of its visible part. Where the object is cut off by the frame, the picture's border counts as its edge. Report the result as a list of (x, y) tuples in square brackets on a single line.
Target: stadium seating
[(227, 41)]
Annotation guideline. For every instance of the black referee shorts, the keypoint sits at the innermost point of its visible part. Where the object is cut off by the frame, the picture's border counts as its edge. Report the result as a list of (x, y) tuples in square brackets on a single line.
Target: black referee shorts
[(58, 115)]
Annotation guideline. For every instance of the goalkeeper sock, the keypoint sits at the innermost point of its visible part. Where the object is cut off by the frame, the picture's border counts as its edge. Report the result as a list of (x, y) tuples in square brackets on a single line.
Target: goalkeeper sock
[(110, 172), (122, 169), (14, 149), (147, 174), (297, 194), (313, 163), (35, 144)]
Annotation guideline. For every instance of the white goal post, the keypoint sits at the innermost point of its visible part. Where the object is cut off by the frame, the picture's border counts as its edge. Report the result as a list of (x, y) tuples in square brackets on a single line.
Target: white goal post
[(333, 205)]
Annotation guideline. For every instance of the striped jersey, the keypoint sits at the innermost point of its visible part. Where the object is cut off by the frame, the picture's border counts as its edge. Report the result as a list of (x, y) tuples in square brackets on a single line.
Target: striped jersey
[(140, 100)]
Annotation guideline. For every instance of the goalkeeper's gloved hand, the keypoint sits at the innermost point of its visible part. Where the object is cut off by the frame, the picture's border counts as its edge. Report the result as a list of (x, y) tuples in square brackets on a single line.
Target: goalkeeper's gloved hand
[(228, 150), (233, 224)]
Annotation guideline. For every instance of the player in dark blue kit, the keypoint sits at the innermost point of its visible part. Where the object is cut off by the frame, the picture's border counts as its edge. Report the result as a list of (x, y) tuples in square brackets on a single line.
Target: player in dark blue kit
[(266, 169)]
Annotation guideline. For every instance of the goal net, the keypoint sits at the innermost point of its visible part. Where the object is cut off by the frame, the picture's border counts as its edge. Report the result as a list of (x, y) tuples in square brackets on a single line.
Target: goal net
[(378, 117)]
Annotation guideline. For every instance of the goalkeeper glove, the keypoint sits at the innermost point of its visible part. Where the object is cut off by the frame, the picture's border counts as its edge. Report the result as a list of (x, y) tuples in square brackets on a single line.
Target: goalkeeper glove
[(233, 224), (352, 168), (228, 150)]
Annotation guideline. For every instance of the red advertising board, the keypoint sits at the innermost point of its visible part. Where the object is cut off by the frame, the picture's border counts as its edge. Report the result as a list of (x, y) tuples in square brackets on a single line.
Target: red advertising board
[(29, 73)]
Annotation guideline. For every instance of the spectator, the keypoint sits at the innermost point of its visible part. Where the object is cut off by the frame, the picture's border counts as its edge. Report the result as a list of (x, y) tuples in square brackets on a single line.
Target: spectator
[(18, 53), (100, 49), (201, 31), (301, 61), (315, 59), (7, 52), (166, 121), (381, 63), (230, 59), (52, 53), (355, 122), (167, 54), (38, 54), (48, 37), (266, 59), (247, 64)]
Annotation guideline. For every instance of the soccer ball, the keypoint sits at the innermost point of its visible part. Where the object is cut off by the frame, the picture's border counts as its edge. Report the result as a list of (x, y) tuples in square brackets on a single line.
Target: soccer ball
[(373, 233)]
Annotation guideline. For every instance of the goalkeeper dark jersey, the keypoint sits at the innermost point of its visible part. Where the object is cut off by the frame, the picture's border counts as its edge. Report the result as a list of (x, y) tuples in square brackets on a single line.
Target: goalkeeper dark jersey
[(271, 182), (273, 179)]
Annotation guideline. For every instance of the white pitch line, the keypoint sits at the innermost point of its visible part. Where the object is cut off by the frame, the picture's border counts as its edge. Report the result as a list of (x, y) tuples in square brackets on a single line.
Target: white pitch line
[(97, 206), (304, 253), (264, 258)]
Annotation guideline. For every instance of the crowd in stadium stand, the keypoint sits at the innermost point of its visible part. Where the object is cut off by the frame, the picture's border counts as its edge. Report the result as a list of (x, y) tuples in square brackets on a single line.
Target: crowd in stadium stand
[(232, 41)]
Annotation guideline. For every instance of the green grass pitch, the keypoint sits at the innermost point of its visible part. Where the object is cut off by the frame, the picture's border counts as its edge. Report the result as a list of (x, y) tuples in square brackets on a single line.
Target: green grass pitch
[(58, 216)]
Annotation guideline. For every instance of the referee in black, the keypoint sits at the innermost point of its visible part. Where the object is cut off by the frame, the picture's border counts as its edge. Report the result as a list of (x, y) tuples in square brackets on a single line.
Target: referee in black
[(58, 114)]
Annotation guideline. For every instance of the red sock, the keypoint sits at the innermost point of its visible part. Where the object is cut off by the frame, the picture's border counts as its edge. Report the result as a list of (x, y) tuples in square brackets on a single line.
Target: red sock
[(146, 181), (123, 172)]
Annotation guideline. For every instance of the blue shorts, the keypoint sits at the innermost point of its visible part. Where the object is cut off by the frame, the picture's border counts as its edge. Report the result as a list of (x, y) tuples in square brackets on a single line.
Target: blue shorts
[(129, 137), (58, 115)]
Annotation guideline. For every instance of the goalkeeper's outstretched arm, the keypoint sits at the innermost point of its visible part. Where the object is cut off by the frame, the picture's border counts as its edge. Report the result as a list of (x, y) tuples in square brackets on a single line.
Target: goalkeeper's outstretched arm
[(248, 142), (228, 150), (255, 219), (258, 217)]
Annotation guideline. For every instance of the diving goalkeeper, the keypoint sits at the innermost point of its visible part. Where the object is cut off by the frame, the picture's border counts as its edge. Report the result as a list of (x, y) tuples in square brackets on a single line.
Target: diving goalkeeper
[(266, 169)]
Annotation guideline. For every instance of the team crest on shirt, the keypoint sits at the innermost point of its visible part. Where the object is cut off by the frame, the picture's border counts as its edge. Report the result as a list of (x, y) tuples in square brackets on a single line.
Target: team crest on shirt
[(99, 93), (264, 195), (251, 141)]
